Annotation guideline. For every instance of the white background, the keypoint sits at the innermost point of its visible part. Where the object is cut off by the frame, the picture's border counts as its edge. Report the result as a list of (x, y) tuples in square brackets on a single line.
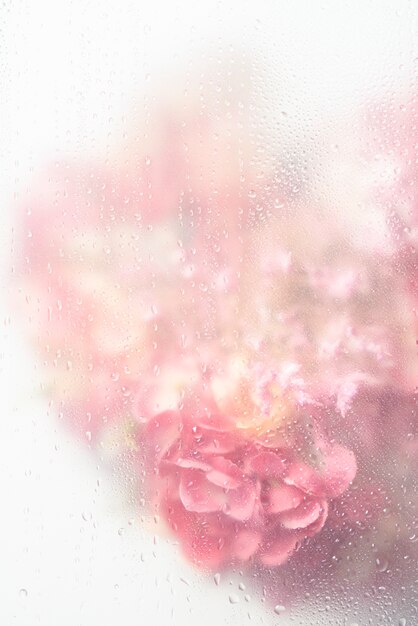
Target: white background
[(72, 551)]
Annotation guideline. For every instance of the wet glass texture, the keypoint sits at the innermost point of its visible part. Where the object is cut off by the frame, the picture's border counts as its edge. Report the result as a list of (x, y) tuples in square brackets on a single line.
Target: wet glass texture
[(209, 292)]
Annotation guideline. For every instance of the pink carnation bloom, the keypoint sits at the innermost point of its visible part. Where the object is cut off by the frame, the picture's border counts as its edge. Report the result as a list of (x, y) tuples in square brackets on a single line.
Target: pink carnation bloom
[(230, 498)]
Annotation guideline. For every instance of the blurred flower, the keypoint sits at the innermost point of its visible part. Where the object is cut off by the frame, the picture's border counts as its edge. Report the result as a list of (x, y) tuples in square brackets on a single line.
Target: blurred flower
[(183, 297), (230, 498)]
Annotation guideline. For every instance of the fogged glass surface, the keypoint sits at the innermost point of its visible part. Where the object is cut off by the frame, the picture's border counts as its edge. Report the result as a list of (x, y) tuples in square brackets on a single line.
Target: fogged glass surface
[(209, 291)]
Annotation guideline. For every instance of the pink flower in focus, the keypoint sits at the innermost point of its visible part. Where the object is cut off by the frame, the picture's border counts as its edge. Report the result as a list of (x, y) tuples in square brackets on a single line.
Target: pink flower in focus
[(229, 498)]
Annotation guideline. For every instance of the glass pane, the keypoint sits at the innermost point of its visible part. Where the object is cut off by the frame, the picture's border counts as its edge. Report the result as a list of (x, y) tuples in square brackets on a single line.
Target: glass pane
[(209, 302)]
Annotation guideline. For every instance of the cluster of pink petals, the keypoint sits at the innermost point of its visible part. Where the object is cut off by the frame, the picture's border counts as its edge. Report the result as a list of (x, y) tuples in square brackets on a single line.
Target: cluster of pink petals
[(231, 498)]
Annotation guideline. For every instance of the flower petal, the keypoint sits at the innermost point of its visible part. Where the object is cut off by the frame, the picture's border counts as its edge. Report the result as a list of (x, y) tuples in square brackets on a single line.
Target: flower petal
[(198, 495), (189, 463), (203, 536), (224, 473), (267, 465), (315, 527), (241, 501), (160, 433), (339, 468), (215, 422), (304, 515), (283, 498), (278, 551), (213, 442), (245, 544), (304, 477)]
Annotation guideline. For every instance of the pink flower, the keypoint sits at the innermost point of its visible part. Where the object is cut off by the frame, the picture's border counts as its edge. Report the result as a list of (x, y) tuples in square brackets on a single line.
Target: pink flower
[(228, 497)]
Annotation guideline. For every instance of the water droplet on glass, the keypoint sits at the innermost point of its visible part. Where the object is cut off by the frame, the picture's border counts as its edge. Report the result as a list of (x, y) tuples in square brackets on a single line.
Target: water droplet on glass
[(382, 564)]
